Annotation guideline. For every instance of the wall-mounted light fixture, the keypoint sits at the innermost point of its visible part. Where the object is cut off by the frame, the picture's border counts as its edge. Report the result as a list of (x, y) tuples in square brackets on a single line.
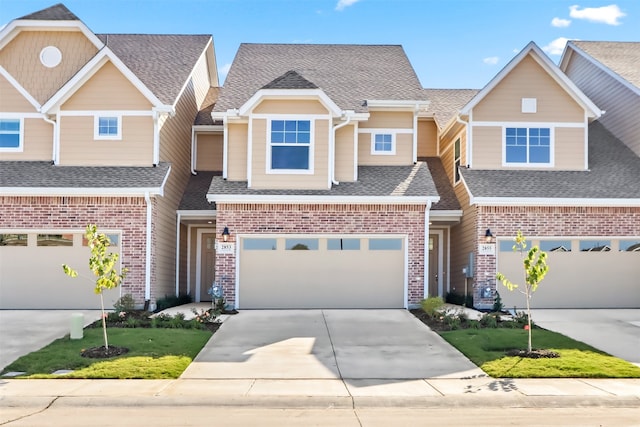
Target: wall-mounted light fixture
[(488, 236), (225, 234)]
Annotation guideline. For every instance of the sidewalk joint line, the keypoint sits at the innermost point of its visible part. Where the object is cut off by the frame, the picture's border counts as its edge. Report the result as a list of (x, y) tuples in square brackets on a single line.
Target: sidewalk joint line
[(335, 358)]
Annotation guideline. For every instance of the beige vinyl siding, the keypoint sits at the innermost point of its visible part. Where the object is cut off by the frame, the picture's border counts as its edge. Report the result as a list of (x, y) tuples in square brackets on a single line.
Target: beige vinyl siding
[(107, 89), (464, 239), (447, 153), (487, 147), (175, 147), (344, 164), (12, 101), (37, 142), (78, 147), (296, 106), (183, 260), (200, 78), (237, 151), (389, 120), (528, 80), (569, 148), (427, 138), (320, 147), (209, 152), (404, 148), (622, 106), (21, 58)]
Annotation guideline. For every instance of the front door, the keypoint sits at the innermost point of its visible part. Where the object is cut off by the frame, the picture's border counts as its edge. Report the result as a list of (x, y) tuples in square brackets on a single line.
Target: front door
[(434, 265), (207, 265)]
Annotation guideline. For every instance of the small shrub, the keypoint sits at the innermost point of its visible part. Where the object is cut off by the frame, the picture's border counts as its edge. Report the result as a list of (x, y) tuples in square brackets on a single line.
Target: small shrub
[(497, 303), (431, 305), (489, 321), (125, 303), (459, 299), (169, 301)]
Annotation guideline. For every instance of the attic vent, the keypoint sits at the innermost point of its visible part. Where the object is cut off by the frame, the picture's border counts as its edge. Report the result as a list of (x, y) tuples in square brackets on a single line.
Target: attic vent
[(529, 105), (50, 56)]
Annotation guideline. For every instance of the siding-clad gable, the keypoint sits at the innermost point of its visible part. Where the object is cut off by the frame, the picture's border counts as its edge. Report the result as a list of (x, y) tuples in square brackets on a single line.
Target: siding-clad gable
[(21, 58), (12, 101)]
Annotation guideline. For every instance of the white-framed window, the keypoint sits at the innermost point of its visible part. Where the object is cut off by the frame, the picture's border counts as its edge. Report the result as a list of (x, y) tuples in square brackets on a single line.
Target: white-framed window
[(456, 161), (11, 131), (290, 146), (383, 143), (107, 127), (527, 146)]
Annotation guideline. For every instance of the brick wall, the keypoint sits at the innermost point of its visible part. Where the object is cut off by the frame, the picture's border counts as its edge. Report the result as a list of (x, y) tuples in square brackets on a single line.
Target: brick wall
[(505, 221), (323, 218), (127, 214)]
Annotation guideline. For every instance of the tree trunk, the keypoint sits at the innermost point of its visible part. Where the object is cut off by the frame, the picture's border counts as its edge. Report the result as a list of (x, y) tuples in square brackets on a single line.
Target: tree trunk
[(529, 317), (104, 323)]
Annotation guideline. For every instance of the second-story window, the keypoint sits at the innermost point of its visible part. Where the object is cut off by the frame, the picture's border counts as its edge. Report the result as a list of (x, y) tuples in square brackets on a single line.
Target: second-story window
[(383, 143), (10, 135), (290, 144), (108, 127), (527, 146)]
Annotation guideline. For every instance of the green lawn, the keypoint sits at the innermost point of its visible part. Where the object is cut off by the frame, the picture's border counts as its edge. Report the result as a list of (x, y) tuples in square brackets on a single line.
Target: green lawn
[(486, 348), (153, 354)]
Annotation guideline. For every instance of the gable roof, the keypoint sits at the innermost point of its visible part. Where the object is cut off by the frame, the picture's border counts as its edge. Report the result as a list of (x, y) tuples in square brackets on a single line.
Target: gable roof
[(613, 178), (57, 12), (290, 80), (621, 59), (446, 103), (348, 74), (543, 60), (159, 65), (163, 62)]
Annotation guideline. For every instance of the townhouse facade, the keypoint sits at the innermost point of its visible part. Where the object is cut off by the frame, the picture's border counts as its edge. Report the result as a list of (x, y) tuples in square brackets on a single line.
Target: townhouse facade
[(317, 176)]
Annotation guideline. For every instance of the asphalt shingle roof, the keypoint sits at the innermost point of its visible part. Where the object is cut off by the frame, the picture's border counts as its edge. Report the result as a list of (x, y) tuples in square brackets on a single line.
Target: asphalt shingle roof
[(614, 173), (373, 181), (445, 103), (623, 58), (163, 62), (194, 197), (448, 199), (290, 80), (21, 174), (348, 74), (57, 12)]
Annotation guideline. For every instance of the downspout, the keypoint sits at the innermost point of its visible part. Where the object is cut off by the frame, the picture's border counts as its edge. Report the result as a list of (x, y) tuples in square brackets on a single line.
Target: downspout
[(415, 134), (193, 151), (225, 147), (147, 272), (55, 139), (332, 146), (426, 249)]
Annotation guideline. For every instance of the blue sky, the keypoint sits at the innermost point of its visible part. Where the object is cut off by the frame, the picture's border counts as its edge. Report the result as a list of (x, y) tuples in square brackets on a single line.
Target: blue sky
[(451, 43)]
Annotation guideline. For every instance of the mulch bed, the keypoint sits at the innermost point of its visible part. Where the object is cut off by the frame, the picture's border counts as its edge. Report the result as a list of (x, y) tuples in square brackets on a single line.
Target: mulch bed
[(534, 354), (104, 353)]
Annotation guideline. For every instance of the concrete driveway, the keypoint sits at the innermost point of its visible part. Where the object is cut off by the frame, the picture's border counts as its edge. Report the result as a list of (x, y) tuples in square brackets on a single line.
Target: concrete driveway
[(614, 331), (328, 344), (24, 331)]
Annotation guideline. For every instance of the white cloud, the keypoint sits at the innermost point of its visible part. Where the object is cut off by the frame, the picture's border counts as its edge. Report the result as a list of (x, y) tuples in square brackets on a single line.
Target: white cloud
[(345, 3), (556, 46), (491, 60), (603, 15), (560, 23)]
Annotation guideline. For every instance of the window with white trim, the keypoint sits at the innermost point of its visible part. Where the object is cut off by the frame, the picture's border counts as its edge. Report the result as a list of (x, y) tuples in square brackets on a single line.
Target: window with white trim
[(383, 143), (108, 127), (527, 146), (456, 161), (290, 145), (11, 134)]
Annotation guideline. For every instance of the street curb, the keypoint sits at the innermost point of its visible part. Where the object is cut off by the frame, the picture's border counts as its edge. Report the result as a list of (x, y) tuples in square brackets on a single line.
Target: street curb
[(328, 402)]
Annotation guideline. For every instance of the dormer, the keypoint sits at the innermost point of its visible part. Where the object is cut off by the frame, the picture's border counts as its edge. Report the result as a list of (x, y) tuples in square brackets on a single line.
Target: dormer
[(530, 116)]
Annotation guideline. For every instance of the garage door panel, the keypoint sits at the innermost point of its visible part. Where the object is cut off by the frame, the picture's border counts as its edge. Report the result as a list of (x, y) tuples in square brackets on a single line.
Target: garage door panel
[(321, 278), (578, 280), (31, 277)]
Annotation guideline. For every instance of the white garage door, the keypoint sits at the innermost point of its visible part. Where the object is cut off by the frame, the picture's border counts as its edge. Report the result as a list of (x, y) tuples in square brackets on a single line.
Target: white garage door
[(322, 272), (31, 275), (583, 273)]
